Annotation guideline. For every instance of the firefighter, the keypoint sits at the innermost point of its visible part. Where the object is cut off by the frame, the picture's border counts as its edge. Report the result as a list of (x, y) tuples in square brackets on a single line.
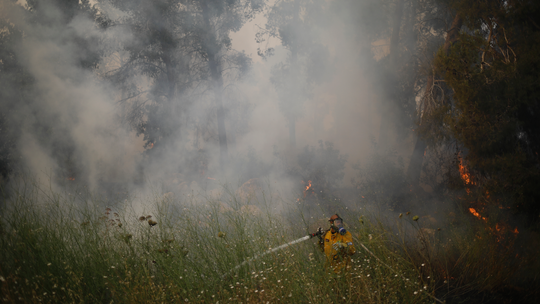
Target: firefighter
[(337, 245)]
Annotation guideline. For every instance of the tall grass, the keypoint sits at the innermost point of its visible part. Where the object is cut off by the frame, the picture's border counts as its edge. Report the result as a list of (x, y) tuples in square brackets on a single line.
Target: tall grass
[(58, 247)]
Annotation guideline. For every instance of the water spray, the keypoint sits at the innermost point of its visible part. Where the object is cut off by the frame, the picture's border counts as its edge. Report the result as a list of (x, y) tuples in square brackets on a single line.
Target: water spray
[(300, 240)]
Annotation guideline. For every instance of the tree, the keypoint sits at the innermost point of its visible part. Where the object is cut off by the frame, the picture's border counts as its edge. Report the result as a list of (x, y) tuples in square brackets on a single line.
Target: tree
[(58, 14), (413, 30), (163, 37), (51, 21), (493, 71), (180, 46), (14, 80), (219, 19), (24, 110), (295, 24), (388, 108), (430, 101)]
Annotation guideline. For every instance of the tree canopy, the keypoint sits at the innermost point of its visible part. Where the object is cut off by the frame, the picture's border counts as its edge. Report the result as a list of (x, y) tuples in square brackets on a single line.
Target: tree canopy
[(492, 111)]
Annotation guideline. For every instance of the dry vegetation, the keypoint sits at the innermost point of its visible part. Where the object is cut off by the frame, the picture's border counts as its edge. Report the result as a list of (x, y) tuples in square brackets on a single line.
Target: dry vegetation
[(73, 248)]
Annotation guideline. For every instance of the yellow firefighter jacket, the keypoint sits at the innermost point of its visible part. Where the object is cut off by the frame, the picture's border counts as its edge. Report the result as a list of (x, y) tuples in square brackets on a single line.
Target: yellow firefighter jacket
[(338, 249)]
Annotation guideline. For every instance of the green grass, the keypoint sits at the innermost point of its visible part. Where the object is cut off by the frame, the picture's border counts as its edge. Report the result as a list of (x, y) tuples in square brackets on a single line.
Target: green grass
[(58, 247)]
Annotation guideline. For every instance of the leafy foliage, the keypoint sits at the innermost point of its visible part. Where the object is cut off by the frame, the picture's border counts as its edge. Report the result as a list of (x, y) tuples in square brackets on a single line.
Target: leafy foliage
[(493, 112), (183, 49), (295, 24), (14, 80)]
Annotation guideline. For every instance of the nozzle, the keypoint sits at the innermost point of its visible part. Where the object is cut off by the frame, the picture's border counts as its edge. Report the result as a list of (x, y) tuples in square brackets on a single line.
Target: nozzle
[(318, 233)]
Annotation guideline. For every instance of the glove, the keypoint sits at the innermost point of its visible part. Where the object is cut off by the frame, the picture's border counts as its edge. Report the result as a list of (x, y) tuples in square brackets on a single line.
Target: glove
[(319, 233), (339, 246)]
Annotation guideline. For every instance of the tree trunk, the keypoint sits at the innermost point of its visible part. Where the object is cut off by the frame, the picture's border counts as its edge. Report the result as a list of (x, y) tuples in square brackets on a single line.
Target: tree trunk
[(452, 35), (222, 135), (212, 46), (388, 108), (417, 158), (294, 61), (218, 91)]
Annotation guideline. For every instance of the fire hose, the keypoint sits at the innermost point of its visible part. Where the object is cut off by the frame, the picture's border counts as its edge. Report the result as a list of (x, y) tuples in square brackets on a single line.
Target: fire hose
[(305, 238), (319, 233)]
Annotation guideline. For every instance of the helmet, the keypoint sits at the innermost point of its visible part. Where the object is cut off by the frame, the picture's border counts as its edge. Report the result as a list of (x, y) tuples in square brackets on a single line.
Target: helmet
[(334, 217)]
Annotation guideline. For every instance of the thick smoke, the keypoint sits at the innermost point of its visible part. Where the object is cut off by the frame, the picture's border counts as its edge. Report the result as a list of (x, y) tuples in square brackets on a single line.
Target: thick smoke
[(79, 122), (68, 119)]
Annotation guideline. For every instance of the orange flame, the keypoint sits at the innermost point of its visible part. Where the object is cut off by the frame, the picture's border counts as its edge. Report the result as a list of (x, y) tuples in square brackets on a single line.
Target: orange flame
[(499, 229), (210, 178), (465, 175), (473, 211), (307, 188)]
